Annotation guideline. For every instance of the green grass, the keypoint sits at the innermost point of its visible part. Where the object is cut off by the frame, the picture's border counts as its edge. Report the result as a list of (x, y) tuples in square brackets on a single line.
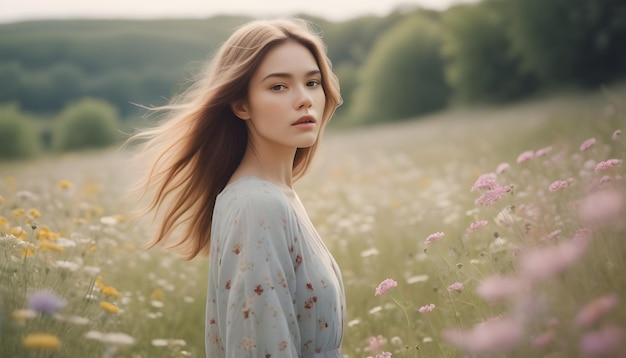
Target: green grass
[(375, 194)]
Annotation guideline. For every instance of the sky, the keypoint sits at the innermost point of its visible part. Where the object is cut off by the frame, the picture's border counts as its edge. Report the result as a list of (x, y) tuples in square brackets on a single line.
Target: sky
[(334, 10)]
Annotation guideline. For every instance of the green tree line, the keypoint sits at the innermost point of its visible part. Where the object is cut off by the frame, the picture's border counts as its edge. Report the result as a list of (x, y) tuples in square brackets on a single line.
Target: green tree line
[(408, 63)]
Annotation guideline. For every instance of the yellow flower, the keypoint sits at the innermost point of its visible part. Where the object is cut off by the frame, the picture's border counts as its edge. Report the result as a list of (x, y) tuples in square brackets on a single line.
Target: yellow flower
[(64, 184), (34, 213), (109, 307), (157, 294), (27, 252), (41, 341), (18, 213), (110, 291), (1, 199), (47, 245), (4, 223), (44, 233), (18, 232)]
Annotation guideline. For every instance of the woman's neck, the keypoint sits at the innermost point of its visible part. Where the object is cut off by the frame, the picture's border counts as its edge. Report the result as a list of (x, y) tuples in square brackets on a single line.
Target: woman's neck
[(273, 164)]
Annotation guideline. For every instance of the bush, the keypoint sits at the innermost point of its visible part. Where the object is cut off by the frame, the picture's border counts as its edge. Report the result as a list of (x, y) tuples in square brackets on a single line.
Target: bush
[(18, 136), (88, 123), (403, 76)]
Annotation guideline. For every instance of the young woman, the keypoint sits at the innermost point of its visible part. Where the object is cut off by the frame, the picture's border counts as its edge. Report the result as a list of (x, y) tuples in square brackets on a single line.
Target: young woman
[(221, 169)]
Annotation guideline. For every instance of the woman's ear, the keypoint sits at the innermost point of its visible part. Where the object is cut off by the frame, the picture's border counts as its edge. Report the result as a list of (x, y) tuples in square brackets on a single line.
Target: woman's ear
[(240, 109)]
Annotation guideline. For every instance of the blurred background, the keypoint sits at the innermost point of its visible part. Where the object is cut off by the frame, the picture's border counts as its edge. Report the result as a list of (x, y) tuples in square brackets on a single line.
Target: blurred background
[(74, 75)]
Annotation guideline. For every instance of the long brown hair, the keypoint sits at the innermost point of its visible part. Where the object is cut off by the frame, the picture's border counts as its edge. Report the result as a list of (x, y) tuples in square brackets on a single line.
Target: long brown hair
[(193, 152)]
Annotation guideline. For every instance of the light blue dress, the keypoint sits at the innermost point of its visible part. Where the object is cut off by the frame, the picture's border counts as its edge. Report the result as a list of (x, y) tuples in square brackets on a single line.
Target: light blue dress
[(274, 288)]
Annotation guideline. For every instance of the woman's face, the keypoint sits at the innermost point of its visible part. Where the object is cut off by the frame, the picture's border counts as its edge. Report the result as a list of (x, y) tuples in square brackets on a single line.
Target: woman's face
[(285, 99)]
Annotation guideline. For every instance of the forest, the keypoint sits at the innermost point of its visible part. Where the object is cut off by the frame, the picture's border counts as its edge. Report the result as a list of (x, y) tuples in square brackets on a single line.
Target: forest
[(406, 64)]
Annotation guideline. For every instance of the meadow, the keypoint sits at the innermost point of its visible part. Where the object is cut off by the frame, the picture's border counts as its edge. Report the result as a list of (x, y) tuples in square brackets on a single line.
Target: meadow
[(475, 232)]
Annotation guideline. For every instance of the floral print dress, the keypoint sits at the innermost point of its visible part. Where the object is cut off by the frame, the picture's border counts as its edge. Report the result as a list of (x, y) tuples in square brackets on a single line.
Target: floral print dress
[(274, 288)]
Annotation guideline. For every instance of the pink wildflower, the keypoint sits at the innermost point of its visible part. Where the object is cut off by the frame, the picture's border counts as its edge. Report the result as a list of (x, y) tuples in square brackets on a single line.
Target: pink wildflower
[(605, 179), (485, 181), (495, 335), (375, 343), (606, 165), (476, 225), (587, 144), (457, 286), (558, 185), (543, 339), (491, 196), (427, 308), (497, 287), (616, 134), (384, 355), (543, 151), (596, 309), (554, 234), (602, 207), (527, 155), (543, 263), (583, 234), (385, 286), (502, 167), (434, 237), (605, 342)]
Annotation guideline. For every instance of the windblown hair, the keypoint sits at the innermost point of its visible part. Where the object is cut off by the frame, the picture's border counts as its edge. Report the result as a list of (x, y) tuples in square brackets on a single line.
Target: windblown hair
[(193, 152)]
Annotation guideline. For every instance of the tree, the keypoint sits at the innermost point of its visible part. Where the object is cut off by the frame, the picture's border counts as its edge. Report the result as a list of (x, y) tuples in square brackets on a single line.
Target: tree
[(18, 135), (480, 65), (88, 123), (404, 74)]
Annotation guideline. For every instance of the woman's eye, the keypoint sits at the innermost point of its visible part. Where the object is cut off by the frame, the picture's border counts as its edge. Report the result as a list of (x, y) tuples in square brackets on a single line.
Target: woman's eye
[(278, 87), (313, 83)]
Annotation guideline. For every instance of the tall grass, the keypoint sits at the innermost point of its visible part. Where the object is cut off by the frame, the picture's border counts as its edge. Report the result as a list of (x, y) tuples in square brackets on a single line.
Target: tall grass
[(512, 286)]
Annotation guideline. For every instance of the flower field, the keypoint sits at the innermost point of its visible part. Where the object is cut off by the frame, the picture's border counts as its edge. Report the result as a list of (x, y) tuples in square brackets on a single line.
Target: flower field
[(493, 232)]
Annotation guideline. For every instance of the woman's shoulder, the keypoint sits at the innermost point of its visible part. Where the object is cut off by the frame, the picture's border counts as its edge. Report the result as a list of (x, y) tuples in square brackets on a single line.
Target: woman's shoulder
[(254, 193)]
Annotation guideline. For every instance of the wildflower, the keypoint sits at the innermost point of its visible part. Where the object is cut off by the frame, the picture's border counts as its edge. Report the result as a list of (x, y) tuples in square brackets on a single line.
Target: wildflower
[(47, 245), (67, 265), (18, 232), (110, 291), (22, 315), (426, 308), (385, 286), (602, 207), (616, 134), (596, 309), (558, 185), (384, 355), (485, 181), (544, 263), (375, 343), (502, 167), (157, 294), (64, 184), (34, 213), (527, 155), (495, 335), (497, 287), (587, 144), (109, 307), (27, 252), (4, 223), (476, 225), (608, 164), (554, 234), (457, 286), (369, 252), (543, 151), (434, 237), (41, 341), (1, 199), (493, 195), (18, 213), (604, 342), (45, 301), (113, 338), (543, 339)]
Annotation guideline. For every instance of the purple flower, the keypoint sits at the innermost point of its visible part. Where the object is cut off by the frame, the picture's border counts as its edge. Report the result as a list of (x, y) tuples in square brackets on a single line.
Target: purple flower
[(604, 342), (611, 163), (434, 237), (385, 286), (45, 301), (485, 181)]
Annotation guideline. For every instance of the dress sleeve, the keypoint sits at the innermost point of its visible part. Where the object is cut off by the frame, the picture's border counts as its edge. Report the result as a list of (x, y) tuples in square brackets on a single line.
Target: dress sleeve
[(256, 281)]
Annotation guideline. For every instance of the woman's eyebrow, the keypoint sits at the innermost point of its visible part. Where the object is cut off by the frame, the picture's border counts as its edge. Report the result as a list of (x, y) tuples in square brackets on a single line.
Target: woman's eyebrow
[(289, 75)]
